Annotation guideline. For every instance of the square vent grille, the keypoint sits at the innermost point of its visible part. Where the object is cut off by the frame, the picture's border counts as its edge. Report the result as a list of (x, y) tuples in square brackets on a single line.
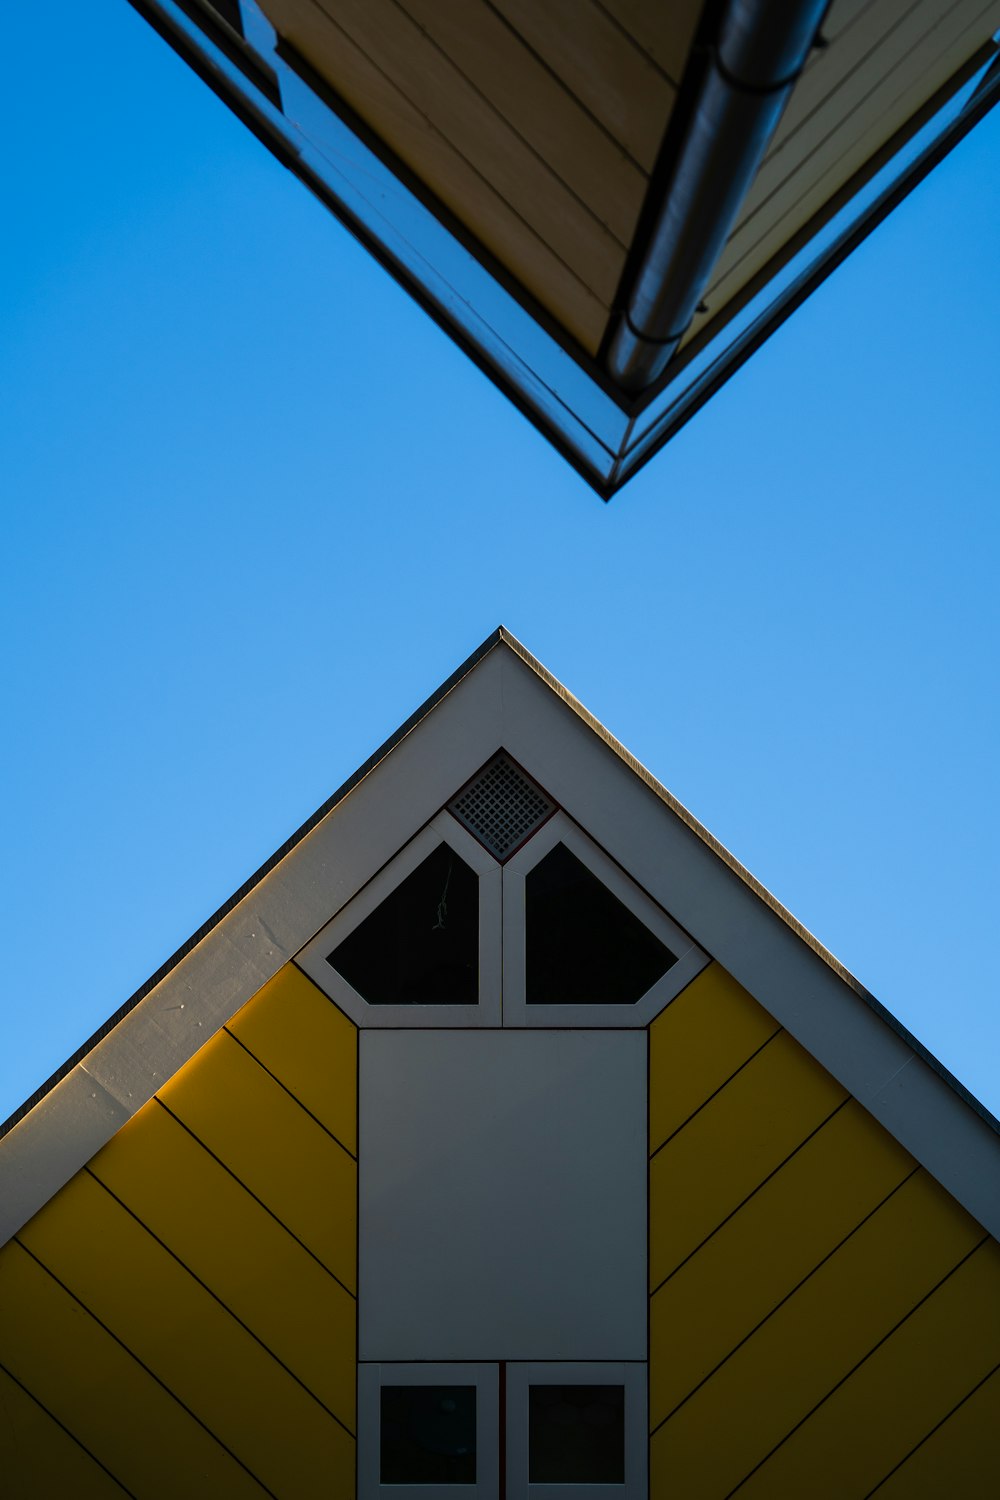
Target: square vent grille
[(501, 806)]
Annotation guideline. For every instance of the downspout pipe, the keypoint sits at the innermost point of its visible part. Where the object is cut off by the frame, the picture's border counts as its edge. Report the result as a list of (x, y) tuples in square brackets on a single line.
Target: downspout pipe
[(760, 49)]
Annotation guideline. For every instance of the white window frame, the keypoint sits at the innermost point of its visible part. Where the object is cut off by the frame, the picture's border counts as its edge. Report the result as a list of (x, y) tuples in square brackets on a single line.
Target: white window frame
[(486, 1379), (560, 829), (630, 1375), (313, 958)]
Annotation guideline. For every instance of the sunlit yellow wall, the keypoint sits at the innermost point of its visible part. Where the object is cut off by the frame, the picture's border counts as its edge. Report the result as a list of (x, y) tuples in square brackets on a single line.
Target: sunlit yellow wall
[(824, 1318), (180, 1320)]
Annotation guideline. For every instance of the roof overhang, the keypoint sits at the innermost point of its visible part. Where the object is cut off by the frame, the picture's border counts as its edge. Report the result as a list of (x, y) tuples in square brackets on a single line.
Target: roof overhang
[(534, 278), (500, 697)]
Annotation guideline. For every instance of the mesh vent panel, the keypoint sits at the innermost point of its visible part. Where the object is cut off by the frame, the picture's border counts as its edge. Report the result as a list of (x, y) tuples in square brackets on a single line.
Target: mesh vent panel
[(501, 807)]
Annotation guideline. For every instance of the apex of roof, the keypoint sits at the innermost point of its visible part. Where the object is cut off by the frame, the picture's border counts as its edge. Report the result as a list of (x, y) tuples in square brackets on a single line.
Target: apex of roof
[(501, 696)]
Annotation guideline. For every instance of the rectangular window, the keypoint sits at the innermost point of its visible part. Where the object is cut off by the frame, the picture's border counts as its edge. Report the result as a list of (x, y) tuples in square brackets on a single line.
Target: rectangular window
[(427, 1434), (576, 1431), (428, 1431), (567, 1431), (576, 1434)]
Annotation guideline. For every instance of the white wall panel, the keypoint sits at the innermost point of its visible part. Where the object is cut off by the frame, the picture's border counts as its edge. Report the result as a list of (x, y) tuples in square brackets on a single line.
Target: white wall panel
[(502, 1195)]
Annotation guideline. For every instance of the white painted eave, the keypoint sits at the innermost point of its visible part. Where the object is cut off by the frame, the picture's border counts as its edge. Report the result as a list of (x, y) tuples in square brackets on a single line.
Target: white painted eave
[(501, 697)]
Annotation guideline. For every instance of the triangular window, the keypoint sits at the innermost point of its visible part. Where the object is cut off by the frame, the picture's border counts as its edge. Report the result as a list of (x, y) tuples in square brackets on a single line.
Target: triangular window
[(501, 911), (421, 945), (583, 946)]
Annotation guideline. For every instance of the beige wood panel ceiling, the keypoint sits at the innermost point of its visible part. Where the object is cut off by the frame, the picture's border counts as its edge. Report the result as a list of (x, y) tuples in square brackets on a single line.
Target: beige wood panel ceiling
[(536, 125), (626, 92), (883, 61), (575, 149)]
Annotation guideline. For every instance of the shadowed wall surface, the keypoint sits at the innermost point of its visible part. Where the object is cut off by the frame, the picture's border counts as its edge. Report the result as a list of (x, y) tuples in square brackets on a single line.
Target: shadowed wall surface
[(824, 1317), (180, 1318)]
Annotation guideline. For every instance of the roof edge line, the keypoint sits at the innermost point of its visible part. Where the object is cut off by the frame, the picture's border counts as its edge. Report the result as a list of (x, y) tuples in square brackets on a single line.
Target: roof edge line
[(503, 636), (748, 879), (494, 639)]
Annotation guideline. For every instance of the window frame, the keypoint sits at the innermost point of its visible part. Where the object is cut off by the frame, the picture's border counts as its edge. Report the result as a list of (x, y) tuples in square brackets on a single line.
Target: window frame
[(442, 828), (372, 1377), (560, 829), (630, 1374)]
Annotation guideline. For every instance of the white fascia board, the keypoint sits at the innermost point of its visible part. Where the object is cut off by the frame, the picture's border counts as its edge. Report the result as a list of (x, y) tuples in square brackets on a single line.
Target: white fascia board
[(64, 1130), (281, 913), (665, 851)]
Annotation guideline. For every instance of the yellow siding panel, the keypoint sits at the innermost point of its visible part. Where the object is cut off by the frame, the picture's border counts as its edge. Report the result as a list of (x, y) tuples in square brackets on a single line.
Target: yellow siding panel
[(697, 1044), (778, 1237), (961, 1457), (238, 1250), (949, 1343), (272, 1145), (811, 1342), (309, 1045), (39, 1459), (181, 1334), (97, 1389), (731, 1145)]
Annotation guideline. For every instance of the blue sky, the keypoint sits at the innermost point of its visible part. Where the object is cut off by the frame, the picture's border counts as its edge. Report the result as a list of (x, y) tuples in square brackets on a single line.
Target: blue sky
[(257, 507)]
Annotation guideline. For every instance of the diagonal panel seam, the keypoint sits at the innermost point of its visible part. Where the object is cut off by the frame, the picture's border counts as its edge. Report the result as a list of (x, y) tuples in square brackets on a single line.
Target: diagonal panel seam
[(936, 1428), (143, 1366), (782, 1300), (222, 1303), (67, 1430), (857, 1365), (735, 1210), (266, 1207), (716, 1091), (325, 1128)]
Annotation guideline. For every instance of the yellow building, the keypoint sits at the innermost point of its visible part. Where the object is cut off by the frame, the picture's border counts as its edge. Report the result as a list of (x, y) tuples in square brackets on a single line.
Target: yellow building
[(608, 204), (501, 1137)]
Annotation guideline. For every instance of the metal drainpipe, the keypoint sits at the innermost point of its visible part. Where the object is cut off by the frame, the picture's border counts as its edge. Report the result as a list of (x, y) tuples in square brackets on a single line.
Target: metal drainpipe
[(760, 50)]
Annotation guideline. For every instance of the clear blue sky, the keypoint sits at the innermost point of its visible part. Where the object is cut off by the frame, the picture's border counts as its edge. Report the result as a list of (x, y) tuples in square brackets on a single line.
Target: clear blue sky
[(257, 507)]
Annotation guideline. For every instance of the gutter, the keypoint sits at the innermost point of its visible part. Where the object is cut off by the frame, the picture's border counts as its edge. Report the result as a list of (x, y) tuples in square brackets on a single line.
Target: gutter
[(760, 49)]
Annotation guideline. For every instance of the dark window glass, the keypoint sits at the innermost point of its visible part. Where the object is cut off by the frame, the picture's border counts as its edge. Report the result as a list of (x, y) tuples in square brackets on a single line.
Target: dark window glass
[(421, 946), (583, 945), (576, 1434), (428, 1434)]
